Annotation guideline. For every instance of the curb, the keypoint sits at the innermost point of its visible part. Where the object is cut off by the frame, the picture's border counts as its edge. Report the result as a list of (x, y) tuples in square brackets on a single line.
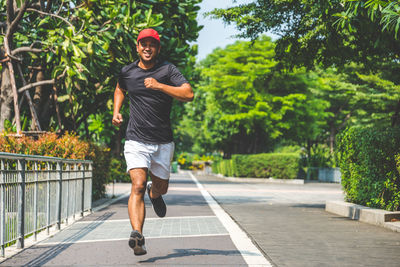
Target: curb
[(264, 180), (378, 217)]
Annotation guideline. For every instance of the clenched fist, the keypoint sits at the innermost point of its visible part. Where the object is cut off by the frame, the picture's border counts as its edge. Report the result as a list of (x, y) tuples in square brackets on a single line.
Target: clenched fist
[(152, 83), (117, 119)]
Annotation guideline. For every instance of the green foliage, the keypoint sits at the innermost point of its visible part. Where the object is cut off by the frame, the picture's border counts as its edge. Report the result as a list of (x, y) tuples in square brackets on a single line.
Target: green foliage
[(387, 13), (266, 165), (226, 167), (190, 161), (288, 149), (308, 31), (243, 104), (320, 156), (67, 146), (118, 171), (101, 157), (369, 160), (85, 45)]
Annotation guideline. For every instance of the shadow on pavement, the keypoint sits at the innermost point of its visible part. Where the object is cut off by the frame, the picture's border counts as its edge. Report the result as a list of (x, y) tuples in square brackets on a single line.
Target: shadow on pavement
[(192, 252), (54, 250), (310, 206)]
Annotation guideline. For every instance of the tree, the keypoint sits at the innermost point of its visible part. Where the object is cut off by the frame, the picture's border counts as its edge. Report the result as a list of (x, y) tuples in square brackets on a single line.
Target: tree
[(70, 53), (245, 105), (332, 33), (308, 32), (387, 13)]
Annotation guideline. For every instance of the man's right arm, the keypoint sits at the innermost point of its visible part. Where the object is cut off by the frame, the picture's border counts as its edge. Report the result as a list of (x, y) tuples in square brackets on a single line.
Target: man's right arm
[(119, 95)]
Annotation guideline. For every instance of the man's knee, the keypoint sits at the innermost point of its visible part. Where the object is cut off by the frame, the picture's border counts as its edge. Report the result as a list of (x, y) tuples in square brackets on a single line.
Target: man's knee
[(138, 178), (138, 187)]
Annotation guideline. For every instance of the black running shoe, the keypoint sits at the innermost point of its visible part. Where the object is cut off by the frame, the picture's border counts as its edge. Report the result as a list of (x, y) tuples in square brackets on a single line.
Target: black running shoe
[(136, 242), (159, 206)]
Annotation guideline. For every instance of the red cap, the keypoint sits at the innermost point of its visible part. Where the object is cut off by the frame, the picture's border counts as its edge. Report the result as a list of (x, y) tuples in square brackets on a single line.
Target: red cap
[(148, 33)]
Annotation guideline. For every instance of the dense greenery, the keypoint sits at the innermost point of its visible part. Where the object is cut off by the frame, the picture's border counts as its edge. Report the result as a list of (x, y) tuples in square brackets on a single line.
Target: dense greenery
[(65, 58), (246, 104), (335, 65), (310, 31), (243, 104), (266, 165), (369, 162), (77, 48)]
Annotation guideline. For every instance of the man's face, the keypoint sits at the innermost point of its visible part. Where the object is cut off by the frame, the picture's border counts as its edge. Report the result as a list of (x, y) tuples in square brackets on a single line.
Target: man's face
[(148, 49)]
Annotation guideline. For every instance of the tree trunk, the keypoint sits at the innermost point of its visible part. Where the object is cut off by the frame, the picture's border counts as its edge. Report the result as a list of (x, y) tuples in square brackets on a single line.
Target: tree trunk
[(12, 83), (42, 100), (332, 139), (395, 117), (57, 108), (6, 97)]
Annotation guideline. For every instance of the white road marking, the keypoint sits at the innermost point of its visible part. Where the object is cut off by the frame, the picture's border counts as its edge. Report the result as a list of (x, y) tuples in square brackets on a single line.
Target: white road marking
[(249, 251)]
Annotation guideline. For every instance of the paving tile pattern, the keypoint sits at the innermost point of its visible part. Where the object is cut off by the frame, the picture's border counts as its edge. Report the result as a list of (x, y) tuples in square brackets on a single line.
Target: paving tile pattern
[(153, 228)]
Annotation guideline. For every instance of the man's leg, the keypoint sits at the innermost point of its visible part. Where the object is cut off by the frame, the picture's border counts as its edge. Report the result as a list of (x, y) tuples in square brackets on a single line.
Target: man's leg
[(159, 186), (156, 188), (136, 207)]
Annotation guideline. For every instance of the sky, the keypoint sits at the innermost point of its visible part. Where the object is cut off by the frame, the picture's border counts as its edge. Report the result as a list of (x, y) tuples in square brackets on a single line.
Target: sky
[(215, 33)]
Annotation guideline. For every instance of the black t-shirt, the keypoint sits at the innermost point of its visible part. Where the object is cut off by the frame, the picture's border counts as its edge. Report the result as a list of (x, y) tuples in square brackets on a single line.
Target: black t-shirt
[(149, 118)]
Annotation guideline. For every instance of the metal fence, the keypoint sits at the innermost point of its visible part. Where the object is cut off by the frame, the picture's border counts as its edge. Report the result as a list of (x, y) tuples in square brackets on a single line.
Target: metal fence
[(38, 192)]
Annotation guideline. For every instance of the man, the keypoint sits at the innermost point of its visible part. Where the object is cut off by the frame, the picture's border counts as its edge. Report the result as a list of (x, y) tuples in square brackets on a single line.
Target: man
[(151, 86)]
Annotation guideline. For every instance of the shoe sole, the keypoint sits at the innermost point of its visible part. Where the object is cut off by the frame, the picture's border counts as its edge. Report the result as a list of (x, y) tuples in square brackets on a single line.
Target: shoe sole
[(159, 214), (138, 250)]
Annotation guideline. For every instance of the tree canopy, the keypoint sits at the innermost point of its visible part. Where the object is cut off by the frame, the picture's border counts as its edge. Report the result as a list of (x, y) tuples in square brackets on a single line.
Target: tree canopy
[(309, 32), (66, 56)]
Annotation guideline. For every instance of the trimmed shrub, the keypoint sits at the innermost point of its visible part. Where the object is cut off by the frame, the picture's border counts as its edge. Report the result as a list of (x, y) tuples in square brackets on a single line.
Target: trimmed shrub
[(118, 170), (266, 165), (190, 161), (68, 146), (101, 157), (369, 161)]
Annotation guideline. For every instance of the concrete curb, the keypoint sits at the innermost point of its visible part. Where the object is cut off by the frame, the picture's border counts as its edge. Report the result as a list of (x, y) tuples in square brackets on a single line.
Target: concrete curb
[(383, 218), (265, 180)]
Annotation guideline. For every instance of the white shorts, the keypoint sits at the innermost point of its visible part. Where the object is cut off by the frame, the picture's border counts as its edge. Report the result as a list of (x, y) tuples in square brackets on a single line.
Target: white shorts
[(156, 158)]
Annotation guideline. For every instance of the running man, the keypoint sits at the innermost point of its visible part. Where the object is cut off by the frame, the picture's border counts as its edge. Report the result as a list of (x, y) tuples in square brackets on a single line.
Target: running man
[(151, 86)]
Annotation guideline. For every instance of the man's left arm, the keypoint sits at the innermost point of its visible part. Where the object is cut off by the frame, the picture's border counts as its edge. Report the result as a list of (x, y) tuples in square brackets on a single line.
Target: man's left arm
[(182, 93)]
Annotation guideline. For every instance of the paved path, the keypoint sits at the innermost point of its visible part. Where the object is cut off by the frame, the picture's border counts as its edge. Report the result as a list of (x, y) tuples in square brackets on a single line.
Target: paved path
[(191, 234), (290, 225), (287, 223)]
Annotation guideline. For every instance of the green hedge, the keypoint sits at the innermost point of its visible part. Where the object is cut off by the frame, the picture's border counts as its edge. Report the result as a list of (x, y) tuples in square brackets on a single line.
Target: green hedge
[(370, 164), (276, 165), (118, 170)]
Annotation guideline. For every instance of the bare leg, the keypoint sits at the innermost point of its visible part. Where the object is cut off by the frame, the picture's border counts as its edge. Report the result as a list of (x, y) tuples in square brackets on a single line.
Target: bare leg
[(136, 207), (159, 187)]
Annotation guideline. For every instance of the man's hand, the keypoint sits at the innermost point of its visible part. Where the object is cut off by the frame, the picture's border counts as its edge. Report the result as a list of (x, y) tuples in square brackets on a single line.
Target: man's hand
[(117, 119), (152, 83)]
